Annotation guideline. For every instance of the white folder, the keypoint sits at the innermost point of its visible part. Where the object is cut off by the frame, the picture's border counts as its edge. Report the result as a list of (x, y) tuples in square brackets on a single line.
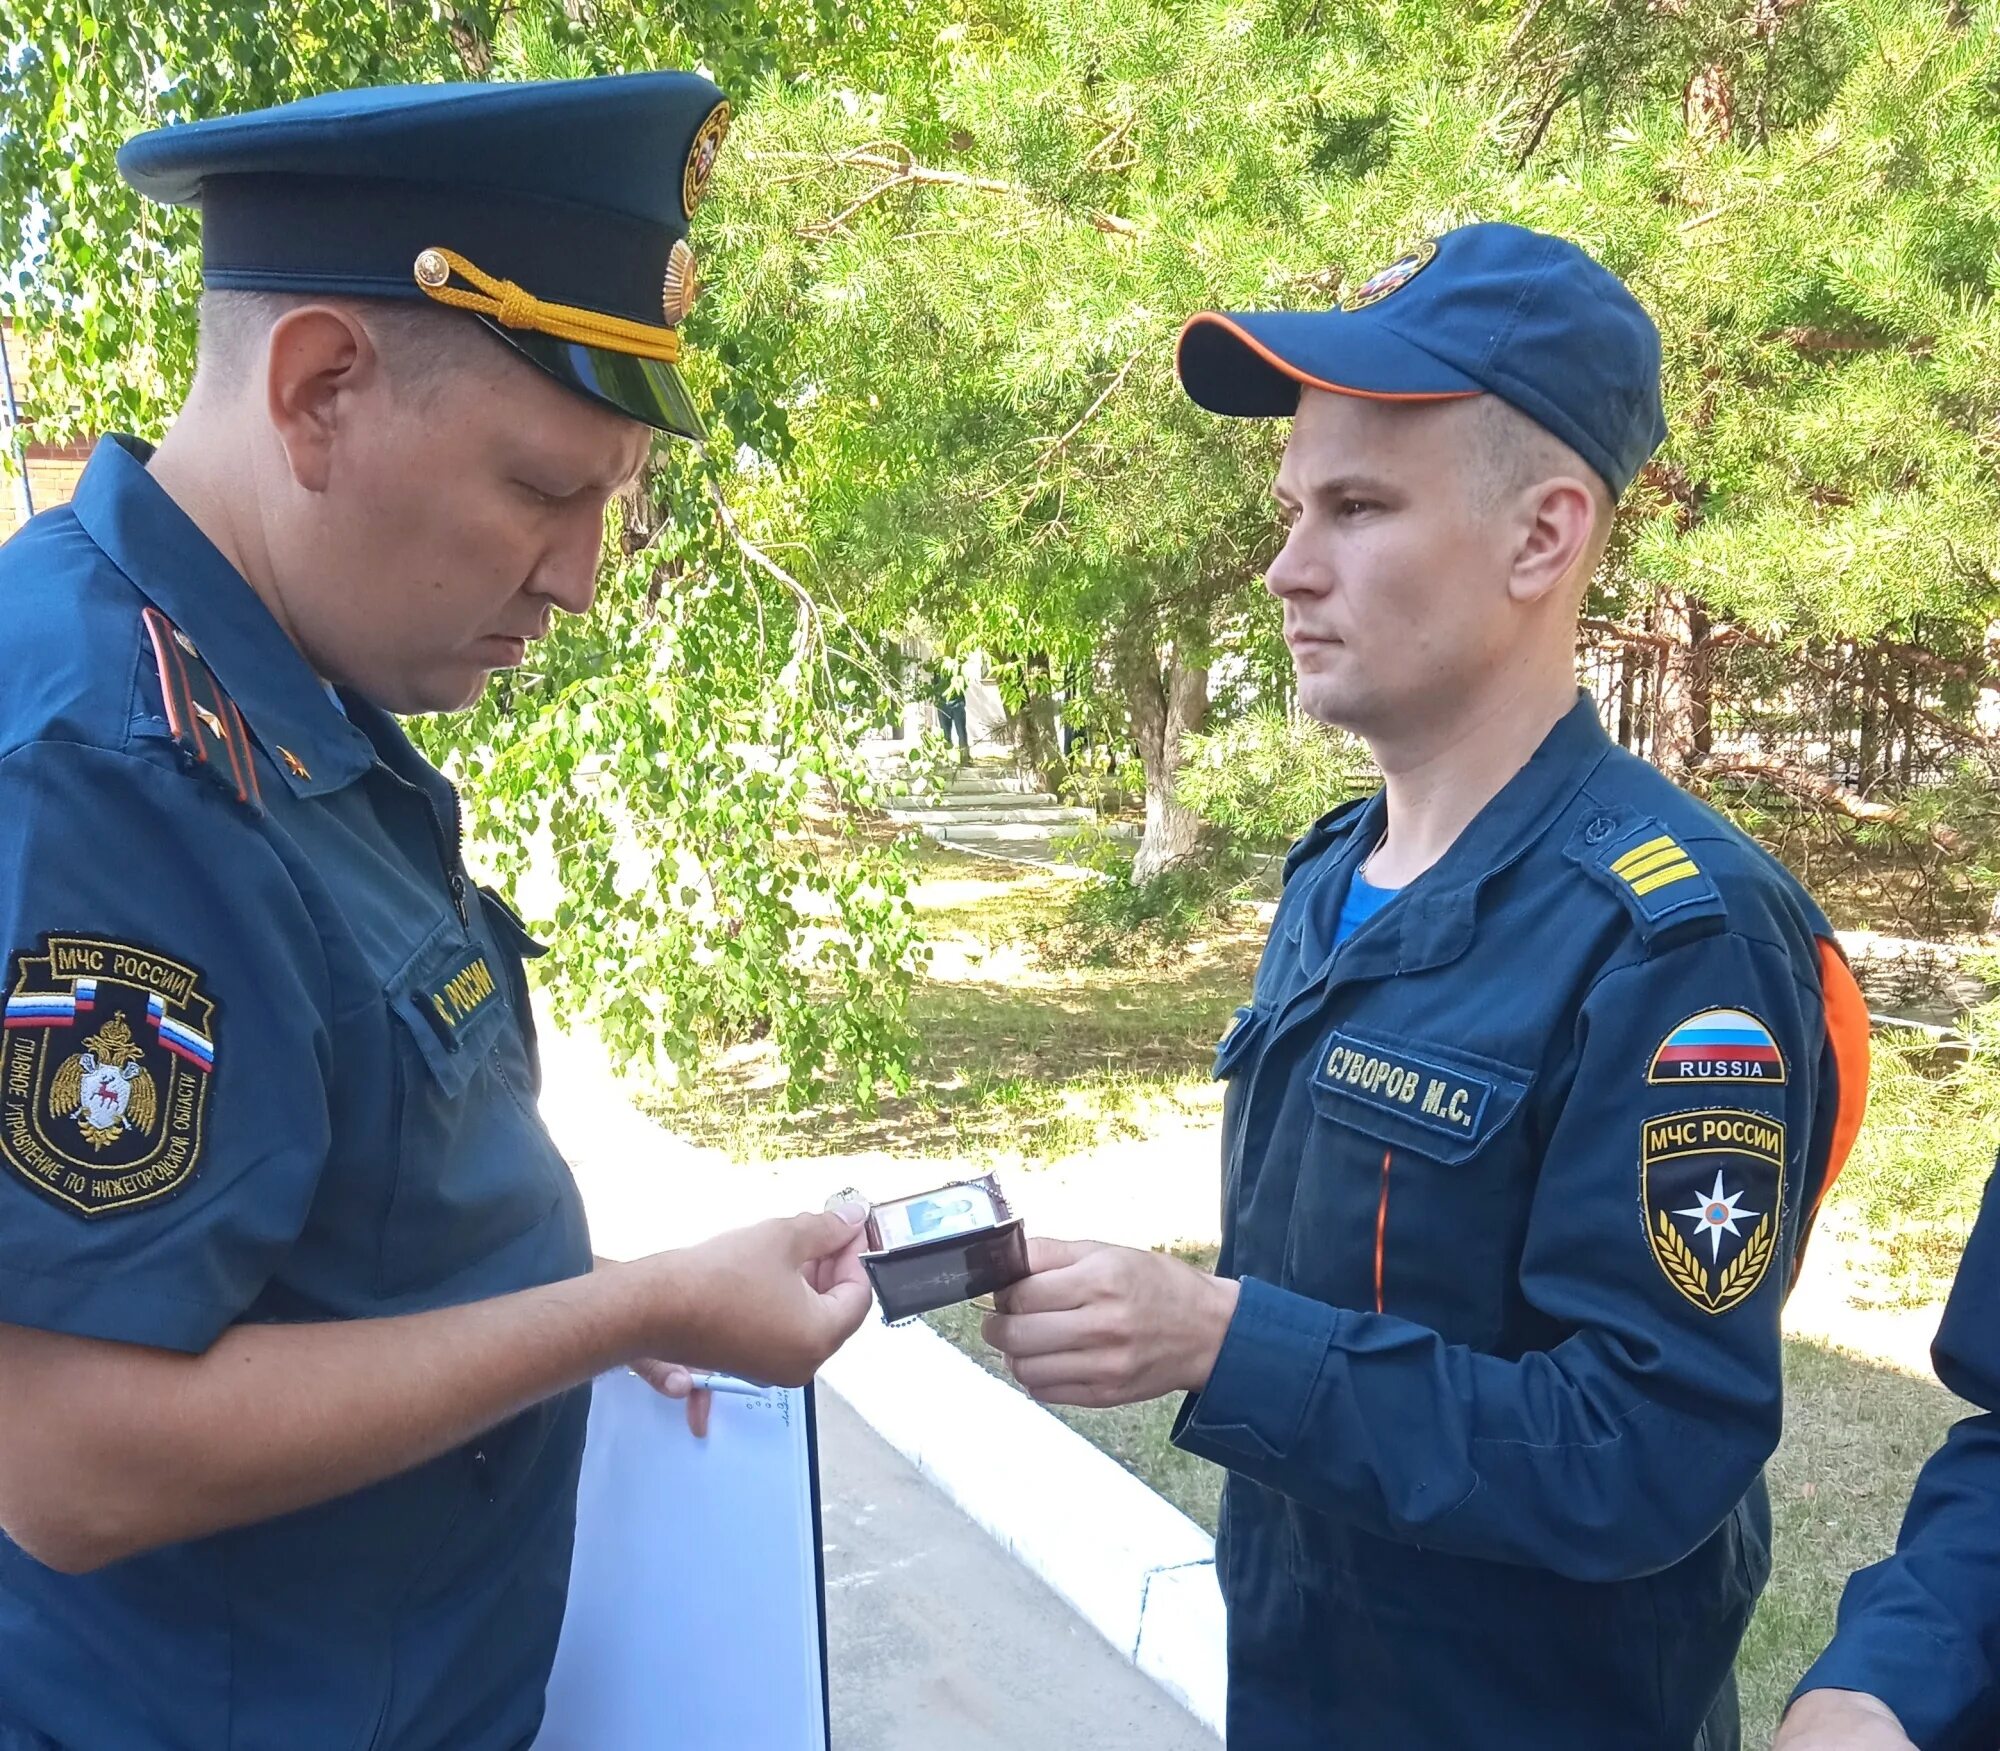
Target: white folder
[(697, 1604)]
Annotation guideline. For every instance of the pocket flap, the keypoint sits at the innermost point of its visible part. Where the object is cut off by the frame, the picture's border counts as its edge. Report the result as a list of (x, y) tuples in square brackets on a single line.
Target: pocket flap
[(507, 926), (451, 998), (1436, 1100), (1244, 1032)]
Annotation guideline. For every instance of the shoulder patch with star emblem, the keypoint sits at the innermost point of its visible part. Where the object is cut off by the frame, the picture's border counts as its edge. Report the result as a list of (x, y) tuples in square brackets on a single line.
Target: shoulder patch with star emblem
[(1712, 1187), (105, 1060)]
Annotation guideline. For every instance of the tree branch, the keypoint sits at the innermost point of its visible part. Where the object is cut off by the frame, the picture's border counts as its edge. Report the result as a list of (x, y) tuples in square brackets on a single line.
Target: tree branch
[(1814, 787), (905, 172), (1051, 449)]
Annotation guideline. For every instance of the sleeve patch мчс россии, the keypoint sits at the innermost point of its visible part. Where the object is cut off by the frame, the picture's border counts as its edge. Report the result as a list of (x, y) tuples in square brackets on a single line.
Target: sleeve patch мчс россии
[(1712, 1186), (108, 1051)]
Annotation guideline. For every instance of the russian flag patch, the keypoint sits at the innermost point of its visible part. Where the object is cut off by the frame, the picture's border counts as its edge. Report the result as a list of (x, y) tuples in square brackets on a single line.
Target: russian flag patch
[(1718, 1045)]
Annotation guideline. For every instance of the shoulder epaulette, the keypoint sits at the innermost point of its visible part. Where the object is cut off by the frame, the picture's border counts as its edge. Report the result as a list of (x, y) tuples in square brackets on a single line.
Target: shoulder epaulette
[(1660, 881), (203, 719), (1322, 833)]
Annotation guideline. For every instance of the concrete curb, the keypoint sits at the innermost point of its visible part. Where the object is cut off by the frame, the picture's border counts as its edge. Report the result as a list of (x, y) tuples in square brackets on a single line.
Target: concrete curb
[(1139, 1571)]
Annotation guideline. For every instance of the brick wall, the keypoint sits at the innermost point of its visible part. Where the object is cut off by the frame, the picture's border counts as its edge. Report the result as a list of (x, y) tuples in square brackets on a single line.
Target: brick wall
[(52, 476), (53, 469)]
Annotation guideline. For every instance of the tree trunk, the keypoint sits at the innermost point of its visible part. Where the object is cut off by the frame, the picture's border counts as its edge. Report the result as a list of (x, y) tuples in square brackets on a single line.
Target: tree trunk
[(1166, 703), (1682, 730), (1038, 743), (1871, 721)]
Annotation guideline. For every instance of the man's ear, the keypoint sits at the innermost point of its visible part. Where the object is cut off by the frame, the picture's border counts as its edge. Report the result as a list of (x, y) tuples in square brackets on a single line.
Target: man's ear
[(1556, 527), (317, 357)]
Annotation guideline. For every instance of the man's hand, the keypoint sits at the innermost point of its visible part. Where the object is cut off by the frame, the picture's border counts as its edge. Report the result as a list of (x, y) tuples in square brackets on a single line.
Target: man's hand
[(1100, 1325), (1841, 1720), (770, 1302), (109, 1449), (671, 1380)]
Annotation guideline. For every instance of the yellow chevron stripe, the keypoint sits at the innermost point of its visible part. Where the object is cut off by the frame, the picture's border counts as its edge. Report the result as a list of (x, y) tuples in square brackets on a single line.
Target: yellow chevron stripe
[(1676, 872), (1639, 853), (1658, 861)]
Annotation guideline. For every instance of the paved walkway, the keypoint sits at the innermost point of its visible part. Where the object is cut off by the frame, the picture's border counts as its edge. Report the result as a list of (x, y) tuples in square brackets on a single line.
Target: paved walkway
[(938, 1638)]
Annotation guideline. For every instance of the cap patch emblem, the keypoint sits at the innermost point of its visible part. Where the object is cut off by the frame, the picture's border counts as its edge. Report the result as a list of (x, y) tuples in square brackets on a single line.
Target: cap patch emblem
[(677, 295), (701, 157), (1398, 274)]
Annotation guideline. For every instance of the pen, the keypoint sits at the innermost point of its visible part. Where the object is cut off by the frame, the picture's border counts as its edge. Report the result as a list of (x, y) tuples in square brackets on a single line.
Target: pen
[(729, 1383)]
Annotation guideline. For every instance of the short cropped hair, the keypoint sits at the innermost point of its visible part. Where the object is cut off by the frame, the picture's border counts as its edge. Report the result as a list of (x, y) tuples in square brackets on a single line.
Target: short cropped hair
[(421, 345), (1511, 452)]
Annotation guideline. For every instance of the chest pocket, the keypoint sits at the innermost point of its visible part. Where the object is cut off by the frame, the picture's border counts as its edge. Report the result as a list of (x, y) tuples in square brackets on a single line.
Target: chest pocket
[(1413, 1189), (475, 1169), (1235, 1045), (516, 946)]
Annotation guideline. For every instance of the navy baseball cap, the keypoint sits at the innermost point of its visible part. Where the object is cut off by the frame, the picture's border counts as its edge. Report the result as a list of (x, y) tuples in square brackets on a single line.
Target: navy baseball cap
[(1483, 310), (554, 212)]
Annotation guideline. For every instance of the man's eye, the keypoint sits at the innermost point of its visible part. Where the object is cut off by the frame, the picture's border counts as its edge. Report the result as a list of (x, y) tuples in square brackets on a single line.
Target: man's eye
[(1357, 507)]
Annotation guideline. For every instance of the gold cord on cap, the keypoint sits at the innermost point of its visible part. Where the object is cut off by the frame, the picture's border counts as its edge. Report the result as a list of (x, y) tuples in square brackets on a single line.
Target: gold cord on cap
[(513, 306)]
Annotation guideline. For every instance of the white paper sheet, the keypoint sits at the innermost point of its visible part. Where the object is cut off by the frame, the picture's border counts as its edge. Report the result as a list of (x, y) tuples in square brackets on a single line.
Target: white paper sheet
[(695, 1600)]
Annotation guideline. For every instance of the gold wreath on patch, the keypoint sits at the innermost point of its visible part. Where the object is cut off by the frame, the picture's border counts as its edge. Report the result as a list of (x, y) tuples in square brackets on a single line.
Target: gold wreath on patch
[(1398, 274), (701, 158), (1712, 1185), (677, 293)]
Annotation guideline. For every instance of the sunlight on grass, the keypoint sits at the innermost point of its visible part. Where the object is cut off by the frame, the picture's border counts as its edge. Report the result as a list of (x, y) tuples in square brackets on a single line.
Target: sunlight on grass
[(1017, 1061)]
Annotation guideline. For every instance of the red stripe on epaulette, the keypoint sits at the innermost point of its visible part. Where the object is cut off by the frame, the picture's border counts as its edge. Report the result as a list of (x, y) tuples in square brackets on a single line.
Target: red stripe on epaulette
[(256, 791), (174, 689), (184, 681)]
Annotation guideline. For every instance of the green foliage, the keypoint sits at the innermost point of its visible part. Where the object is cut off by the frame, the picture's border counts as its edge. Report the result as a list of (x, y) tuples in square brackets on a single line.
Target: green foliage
[(676, 754), (1930, 870), (947, 257), (982, 263), (1265, 777), (1922, 1160), (1118, 922), (680, 756)]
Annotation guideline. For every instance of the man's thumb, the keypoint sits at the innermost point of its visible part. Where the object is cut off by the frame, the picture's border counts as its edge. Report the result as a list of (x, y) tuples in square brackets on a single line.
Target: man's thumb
[(828, 1231)]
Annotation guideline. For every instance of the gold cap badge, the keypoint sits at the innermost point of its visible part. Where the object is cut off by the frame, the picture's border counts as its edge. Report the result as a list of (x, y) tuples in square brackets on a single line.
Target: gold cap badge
[(677, 295), (701, 158)]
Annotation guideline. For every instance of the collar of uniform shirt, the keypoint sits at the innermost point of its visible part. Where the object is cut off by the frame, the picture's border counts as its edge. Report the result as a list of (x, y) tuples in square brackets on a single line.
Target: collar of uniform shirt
[(181, 572), (1436, 918), (1516, 814)]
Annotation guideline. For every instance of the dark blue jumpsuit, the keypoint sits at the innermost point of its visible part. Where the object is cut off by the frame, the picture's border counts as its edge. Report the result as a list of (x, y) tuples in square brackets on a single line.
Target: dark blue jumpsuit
[(1515, 1182), (1921, 1630), (268, 1057)]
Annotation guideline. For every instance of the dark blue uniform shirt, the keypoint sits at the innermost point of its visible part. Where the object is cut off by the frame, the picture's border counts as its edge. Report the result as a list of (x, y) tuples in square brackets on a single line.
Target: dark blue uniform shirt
[(1922, 1629), (267, 1057), (1515, 1180)]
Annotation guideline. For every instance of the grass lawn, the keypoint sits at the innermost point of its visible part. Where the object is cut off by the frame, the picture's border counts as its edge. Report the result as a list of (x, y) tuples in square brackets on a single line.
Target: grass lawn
[(1017, 1062), (1023, 1062)]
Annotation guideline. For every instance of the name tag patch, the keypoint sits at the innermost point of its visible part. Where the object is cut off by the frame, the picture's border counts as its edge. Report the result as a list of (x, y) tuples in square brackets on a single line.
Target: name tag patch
[(1452, 1102), (467, 990)]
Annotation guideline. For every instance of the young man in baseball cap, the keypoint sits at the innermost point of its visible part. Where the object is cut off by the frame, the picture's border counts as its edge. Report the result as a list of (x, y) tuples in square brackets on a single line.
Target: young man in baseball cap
[(1544, 1072)]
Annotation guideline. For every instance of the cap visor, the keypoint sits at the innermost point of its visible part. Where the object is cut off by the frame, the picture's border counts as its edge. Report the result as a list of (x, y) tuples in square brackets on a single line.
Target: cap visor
[(1253, 365), (643, 389)]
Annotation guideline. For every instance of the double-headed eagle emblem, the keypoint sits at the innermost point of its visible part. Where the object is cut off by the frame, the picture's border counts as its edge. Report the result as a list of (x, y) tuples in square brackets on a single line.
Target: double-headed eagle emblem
[(106, 1088)]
